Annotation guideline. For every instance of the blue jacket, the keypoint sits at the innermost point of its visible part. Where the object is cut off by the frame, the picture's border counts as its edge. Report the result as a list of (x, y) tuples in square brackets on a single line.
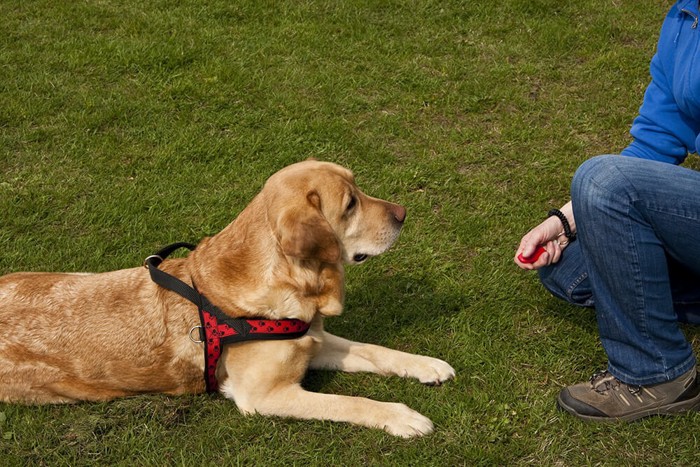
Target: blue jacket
[(668, 125)]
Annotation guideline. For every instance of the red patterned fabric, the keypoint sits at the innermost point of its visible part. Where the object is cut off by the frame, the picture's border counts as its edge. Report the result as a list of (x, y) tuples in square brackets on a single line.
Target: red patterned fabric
[(216, 334), (283, 326), (213, 332)]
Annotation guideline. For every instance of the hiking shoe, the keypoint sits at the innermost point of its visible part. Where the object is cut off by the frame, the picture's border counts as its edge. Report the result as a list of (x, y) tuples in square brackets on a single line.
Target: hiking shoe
[(607, 398)]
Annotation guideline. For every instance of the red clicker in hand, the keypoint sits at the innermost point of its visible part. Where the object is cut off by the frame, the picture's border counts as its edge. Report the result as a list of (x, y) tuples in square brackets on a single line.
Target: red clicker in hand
[(533, 257)]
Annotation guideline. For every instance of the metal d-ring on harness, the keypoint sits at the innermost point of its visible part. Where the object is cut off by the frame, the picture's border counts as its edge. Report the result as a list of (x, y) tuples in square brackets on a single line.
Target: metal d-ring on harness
[(217, 328)]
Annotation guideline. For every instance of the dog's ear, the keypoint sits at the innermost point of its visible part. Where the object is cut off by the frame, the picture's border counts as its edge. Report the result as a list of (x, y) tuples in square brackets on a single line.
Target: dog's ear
[(304, 233)]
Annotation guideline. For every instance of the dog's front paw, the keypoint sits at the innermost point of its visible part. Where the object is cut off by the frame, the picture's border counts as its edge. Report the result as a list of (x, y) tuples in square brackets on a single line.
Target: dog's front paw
[(432, 371), (405, 422)]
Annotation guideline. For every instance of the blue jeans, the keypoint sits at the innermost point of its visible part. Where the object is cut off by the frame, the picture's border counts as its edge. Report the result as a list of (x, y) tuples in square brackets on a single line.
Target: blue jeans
[(637, 261)]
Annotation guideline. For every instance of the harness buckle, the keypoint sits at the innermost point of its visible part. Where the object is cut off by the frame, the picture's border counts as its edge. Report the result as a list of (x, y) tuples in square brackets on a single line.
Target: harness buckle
[(145, 261), (196, 341)]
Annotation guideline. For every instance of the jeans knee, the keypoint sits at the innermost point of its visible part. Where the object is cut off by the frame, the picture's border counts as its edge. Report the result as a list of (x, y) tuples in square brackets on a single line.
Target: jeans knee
[(582, 184), (596, 179)]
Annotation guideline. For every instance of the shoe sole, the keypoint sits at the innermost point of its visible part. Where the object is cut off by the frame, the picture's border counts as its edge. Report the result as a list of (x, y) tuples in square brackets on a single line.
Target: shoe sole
[(676, 408)]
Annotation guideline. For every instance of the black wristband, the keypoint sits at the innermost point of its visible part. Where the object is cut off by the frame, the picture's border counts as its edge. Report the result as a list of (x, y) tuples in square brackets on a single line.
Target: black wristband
[(565, 222)]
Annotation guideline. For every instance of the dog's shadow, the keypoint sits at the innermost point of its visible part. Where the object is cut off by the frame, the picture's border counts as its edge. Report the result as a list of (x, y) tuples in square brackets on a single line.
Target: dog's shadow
[(382, 306)]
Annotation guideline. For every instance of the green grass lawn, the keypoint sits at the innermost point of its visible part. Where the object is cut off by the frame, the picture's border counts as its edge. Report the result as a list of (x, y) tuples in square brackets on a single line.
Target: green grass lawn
[(128, 125)]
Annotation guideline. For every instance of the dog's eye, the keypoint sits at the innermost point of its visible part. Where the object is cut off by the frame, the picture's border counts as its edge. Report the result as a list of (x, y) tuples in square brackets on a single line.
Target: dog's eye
[(351, 203)]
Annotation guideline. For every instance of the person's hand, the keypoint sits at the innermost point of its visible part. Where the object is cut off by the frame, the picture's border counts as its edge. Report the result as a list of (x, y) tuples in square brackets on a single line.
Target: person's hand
[(547, 234)]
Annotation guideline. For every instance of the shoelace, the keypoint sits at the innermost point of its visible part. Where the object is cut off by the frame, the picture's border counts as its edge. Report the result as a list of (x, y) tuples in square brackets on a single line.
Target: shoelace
[(603, 381)]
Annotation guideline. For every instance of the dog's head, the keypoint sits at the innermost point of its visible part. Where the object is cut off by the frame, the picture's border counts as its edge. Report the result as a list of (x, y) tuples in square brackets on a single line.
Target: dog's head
[(317, 212)]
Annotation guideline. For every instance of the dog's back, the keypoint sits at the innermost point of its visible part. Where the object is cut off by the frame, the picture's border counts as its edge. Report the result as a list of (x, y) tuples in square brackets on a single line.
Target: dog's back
[(70, 337)]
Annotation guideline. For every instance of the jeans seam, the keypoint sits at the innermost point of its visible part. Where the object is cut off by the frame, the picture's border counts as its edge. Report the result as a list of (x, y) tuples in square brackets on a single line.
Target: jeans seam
[(634, 259), (639, 293), (669, 211), (574, 284)]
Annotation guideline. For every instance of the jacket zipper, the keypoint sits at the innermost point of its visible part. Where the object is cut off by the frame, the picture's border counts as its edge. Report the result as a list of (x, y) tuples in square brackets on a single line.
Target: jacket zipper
[(695, 17)]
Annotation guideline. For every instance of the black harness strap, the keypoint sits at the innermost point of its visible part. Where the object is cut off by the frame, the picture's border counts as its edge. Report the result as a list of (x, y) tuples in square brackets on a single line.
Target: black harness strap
[(217, 328), (166, 280)]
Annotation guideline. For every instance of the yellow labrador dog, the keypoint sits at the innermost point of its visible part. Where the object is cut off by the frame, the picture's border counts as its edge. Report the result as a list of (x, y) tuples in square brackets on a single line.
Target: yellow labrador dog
[(70, 337)]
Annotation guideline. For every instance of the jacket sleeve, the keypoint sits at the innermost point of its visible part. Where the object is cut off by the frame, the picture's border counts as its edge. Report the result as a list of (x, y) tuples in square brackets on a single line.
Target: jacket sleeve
[(661, 131)]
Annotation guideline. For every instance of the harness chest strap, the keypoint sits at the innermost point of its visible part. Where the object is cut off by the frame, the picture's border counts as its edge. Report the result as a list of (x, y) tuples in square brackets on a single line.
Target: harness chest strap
[(220, 329), (217, 328)]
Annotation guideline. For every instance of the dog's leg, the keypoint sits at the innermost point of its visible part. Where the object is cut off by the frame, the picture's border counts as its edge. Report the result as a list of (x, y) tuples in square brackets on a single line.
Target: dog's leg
[(264, 377), (294, 401), (341, 354)]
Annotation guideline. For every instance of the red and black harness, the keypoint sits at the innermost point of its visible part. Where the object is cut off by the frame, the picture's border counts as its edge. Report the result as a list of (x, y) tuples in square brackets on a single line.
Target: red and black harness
[(217, 328)]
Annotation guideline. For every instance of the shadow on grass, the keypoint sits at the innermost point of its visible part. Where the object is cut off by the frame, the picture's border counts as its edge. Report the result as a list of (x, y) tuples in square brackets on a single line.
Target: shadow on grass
[(583, 320), (394, 310), (580, 317), (383, 305)]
